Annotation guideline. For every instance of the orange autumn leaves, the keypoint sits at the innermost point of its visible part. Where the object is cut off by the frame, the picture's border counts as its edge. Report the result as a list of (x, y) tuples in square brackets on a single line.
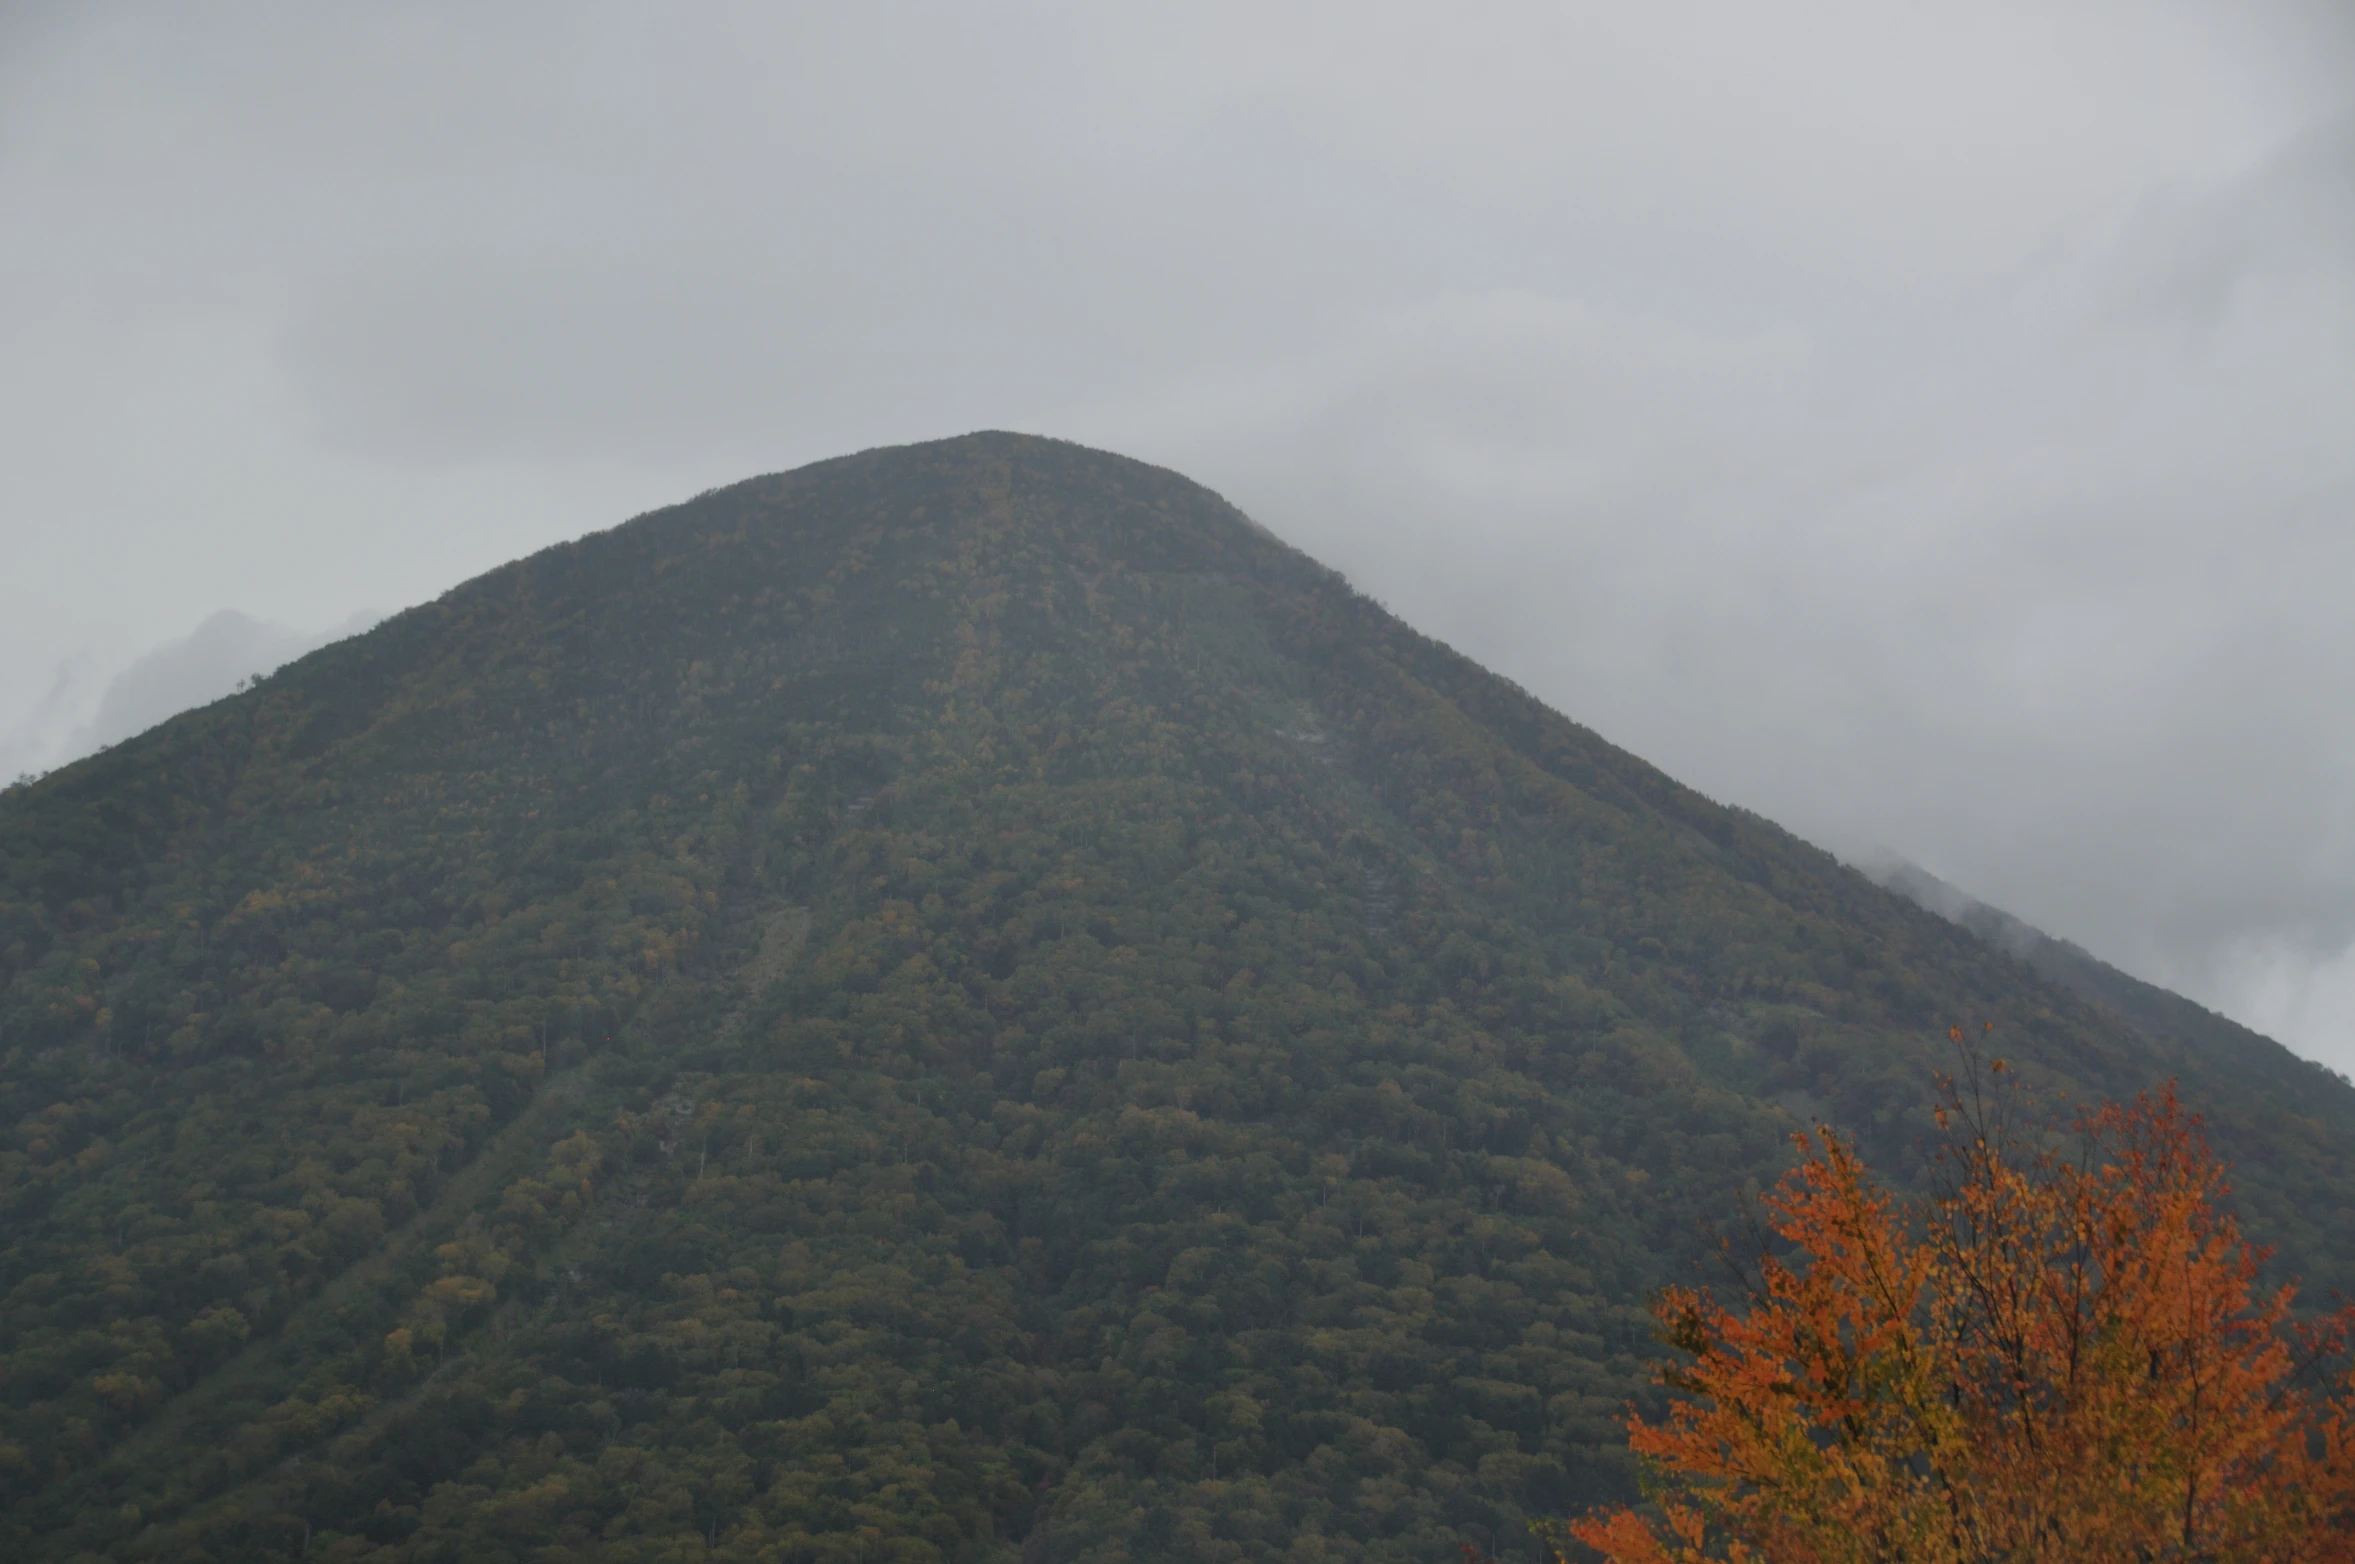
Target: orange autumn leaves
[(2059, 1356)]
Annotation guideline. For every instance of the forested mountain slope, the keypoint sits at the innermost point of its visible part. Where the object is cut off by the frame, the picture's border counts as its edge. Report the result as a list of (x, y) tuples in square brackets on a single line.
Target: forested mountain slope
[(959, 1003)]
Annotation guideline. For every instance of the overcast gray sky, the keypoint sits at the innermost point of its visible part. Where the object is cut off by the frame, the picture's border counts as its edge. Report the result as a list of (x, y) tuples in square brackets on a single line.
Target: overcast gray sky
[(1931, 425)]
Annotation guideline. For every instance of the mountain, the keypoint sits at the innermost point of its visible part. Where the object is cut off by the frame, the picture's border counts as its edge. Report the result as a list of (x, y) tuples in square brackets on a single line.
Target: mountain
[(959, 1003), (207, 663), (216, 657), (2162, 1016)]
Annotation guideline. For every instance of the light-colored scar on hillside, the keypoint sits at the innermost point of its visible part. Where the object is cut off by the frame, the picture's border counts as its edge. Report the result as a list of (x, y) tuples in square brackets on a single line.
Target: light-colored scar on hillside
[(781, 937)]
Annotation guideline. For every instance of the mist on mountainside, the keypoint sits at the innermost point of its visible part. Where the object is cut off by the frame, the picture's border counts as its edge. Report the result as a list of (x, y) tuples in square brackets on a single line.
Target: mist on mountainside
[(80, 714), (2161, 1015)]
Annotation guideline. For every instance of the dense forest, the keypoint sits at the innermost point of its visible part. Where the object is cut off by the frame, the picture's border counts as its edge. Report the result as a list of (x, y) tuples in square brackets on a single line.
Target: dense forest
[(960, 1003)]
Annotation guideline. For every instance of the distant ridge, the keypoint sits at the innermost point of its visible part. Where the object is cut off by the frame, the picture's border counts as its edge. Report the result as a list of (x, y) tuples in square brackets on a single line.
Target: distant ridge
[(2160, 1014)]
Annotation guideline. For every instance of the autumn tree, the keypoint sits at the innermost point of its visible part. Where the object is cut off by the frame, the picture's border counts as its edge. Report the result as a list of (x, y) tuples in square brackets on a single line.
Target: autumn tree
[(2062, 1353)]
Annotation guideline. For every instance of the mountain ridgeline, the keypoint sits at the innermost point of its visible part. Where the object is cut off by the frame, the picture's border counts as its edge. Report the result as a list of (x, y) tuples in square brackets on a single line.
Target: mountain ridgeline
[(960, 1003)]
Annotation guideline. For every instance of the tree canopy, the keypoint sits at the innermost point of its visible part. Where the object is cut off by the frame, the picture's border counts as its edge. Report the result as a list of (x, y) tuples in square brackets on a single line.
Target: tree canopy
[(2061, 1353)]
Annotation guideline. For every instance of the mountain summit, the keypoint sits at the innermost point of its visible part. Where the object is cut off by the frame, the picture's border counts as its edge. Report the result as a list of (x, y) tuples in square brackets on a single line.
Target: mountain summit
[(959, 1003)]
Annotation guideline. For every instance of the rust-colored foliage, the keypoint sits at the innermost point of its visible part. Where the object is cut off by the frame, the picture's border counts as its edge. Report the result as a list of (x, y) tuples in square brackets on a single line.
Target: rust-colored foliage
[(2059, 1356)]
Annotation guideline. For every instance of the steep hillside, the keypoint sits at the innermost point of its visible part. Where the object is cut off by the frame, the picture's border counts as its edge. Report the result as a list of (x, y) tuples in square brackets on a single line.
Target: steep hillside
[(958, 1003)]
